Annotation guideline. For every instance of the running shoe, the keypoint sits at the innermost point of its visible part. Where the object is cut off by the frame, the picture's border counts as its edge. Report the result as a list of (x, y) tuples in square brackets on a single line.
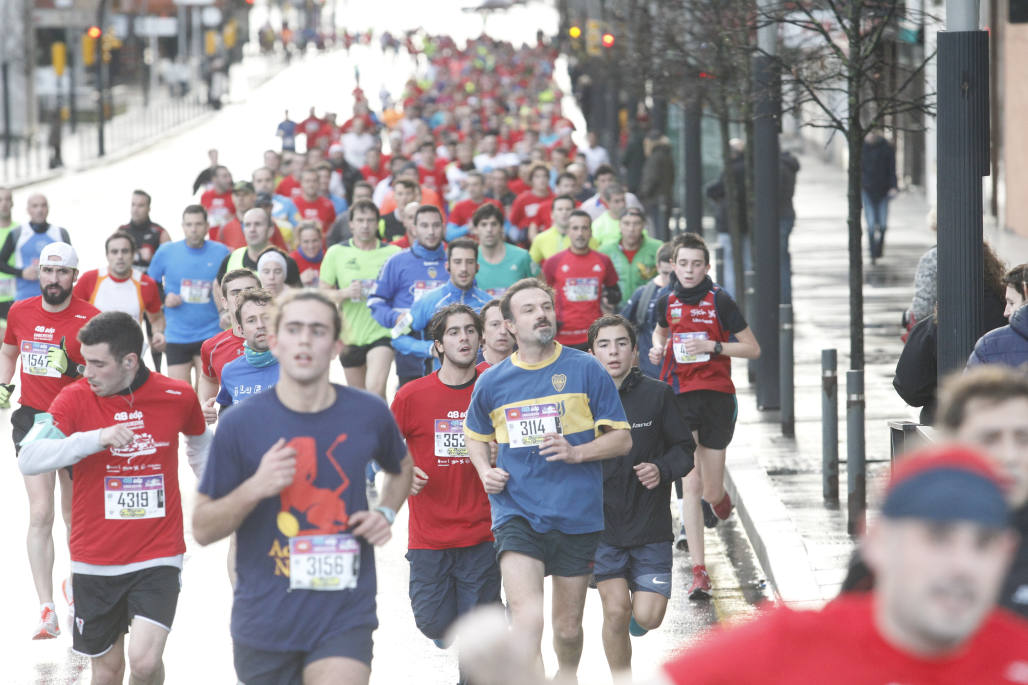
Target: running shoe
[(47, 629), (710, 519), (680, 542), (636, 630), (723, 509), (700, 588)]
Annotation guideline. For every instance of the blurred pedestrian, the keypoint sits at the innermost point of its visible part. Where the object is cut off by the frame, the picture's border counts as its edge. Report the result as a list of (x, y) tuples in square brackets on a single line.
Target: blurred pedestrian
[(718, 192), (878, 186), (658, 179), (788, 167)]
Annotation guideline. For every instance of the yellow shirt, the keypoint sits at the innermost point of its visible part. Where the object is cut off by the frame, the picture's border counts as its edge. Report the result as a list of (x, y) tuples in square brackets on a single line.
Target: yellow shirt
[(550, 242)]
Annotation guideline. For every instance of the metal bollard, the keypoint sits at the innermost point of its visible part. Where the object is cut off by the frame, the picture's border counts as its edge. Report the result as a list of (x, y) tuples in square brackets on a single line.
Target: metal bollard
[(829, 427), (719, 264), (785, 370), (750, 287), (856, 467)]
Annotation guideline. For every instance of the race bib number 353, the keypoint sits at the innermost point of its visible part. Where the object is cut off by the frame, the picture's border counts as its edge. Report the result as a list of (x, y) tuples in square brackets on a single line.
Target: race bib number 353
[(527, 425), (449, 438), (324, 562)]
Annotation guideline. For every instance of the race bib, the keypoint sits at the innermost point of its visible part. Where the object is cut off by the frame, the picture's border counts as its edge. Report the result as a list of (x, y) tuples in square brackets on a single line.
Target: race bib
[(33, 359), (526, 426), (449, 438), (531, 210), (128, 498), (422, 287), (324, 562), (195, 292), (582, 289), (6, 287), (678, 345)]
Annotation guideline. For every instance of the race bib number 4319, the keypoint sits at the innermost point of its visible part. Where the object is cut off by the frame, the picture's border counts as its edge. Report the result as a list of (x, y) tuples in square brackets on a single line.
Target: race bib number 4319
[(527, 425), (134, 497)]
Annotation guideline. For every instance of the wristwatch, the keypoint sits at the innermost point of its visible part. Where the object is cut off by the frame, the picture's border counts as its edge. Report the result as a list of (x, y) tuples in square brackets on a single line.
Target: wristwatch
[(388, 513), (717, 348)]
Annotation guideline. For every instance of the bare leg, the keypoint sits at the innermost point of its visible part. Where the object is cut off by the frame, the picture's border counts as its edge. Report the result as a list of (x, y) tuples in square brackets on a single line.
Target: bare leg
[(712, 471), (336, 671), (355, 376), (40, 539), (109, 668), (146, 652), (617, 612), (568, 607), (693, 514), (523, 585), (380, 359), (648, 608)]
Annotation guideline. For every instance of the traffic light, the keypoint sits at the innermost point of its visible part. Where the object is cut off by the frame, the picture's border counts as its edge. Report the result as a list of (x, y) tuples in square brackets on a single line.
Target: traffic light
[(607, 40), (58, 57), (575, 32), (89, 39)]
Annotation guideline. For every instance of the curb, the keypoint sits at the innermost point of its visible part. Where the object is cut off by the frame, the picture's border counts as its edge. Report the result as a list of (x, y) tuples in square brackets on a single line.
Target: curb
[(777, 543)]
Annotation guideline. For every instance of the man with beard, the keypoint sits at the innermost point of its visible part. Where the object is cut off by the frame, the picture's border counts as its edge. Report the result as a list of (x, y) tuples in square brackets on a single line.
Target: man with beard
[(41, 331), (554, 413), (450, 546), (256, 369)]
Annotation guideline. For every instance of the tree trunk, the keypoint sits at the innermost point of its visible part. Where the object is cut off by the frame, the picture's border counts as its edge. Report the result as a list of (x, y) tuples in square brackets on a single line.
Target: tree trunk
[(855, 140)]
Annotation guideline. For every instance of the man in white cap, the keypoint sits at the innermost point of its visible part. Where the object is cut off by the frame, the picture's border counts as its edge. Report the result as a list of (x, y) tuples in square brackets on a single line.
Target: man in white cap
[(41, 331)]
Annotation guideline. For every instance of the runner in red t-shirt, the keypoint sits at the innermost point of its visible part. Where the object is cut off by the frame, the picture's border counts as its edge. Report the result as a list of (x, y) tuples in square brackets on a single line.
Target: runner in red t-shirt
[(218, 199), (119, 428), (41, 332), (225, 346), (565, 186), (311, 206), (459, 223), (450, 544), (308, 253), (525, 212), (375, 169), (585, 281)]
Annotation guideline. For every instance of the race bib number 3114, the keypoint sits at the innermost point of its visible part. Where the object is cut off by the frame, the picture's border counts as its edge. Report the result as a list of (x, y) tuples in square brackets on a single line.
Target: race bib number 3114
[(527, 425)]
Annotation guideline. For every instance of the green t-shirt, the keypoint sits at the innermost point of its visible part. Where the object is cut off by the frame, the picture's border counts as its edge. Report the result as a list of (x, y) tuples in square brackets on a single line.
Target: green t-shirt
[(7, 281), (515, 265), (550, 242), (345, 263), (606, 229)]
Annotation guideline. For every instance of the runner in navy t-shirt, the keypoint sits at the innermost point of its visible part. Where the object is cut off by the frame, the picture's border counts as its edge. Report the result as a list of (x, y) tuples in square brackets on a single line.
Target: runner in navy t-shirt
[(286, 474)]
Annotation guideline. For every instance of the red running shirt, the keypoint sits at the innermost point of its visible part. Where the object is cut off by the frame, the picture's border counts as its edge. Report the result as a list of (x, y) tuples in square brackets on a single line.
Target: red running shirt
[(840, 644), (452, 510), (463, 210), (579, 281), (684, 372), (319, 210), (126, 505), (220, 207), (218, 351), (527, 210), (33, 331)]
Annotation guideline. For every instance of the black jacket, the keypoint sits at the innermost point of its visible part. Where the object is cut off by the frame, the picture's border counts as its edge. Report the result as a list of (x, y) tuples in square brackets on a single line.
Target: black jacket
[(917, 376), (1014, 595), (632, 514)]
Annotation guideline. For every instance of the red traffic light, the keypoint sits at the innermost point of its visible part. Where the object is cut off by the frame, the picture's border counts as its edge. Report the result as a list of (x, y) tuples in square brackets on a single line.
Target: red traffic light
[(607, 40), (94, 32)]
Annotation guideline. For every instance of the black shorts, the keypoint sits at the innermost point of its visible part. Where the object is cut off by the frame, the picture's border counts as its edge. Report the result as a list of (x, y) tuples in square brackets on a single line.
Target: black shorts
[(357, 355), (562, 554), (645, 567), (447, 583), (182, 353), (22, 420), (5, 308), (711, 414), (106, 605), (263, 667)]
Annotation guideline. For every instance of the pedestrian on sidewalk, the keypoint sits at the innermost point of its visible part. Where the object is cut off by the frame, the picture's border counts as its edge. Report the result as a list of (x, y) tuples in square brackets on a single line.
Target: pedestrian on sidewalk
[(878, 186), (699, 329), (788, 167), (718, 192)]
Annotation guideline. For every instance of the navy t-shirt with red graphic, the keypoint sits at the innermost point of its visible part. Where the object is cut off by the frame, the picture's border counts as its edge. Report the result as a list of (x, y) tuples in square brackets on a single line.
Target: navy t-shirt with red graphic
[(332, 448)]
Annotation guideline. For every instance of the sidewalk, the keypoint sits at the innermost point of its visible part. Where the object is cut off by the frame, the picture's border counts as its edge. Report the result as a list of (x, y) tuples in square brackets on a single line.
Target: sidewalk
[(776, 481), (136, 127)]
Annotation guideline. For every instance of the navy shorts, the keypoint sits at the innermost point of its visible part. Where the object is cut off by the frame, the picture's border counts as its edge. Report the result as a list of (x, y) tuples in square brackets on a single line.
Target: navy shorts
[(263, 667), (562, 554), (447, 583), (355, 356), (645, 567), (711, 414)]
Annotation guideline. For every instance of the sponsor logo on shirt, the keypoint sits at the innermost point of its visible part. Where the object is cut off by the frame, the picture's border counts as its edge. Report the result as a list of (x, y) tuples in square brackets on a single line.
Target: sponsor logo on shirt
[(643, 425), (44, 329), (597, 267), (173, 392)]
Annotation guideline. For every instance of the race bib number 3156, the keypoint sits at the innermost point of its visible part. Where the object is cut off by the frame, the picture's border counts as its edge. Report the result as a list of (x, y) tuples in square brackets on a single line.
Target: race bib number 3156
[(527, 425), (324, 562)]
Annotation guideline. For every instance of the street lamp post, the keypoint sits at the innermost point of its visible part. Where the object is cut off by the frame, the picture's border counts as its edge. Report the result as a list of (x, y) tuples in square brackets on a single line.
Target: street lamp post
[(963, 159)]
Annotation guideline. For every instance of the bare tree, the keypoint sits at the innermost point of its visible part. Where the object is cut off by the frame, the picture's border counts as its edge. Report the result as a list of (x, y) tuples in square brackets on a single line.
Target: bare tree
[(834, 62)]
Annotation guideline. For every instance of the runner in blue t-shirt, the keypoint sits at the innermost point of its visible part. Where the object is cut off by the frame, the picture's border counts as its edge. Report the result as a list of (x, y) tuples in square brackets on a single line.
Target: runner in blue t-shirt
[(555, 414), (187, 270), (256, 369), (285, 474), (287, 132)]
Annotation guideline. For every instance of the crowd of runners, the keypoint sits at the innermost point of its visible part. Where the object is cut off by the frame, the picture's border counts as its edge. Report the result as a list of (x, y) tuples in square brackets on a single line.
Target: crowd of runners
[(558, 370)]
